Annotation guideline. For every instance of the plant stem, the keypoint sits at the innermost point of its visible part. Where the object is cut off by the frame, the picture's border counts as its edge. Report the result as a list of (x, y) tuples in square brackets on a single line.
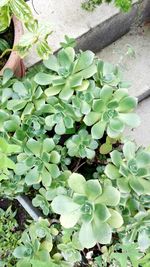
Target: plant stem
[(6, 51)]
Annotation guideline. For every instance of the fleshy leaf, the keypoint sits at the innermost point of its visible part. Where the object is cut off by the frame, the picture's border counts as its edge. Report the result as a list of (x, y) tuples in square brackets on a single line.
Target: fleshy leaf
[(64, 205), (86, 236), (98, 129), (116, 219), (112, 171), (77, 183)]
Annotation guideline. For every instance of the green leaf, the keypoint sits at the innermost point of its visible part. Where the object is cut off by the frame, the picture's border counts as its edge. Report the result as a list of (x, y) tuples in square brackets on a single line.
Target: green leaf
[(19, 88), (24, 263), (106, 93), (130, 119), (5, 19), (123, 185), (89, 72), (3, 2), (146, 185), (77, 183), (143, 159), (34, 146), (55, 157), (7, 75), (66, 93), (43, 49), (129, 150), (127, 104), (136, 185), (64, 205), (116, 158), (102, 231), (75, 81), (16, 104), (110, 196), (101, 212), (66, 56), (52, 90), (3, 145), (98, 130), (86, 236), (20, 251), (52, 63), (91, 118), (69, 221), (105, 148), (83, 87), (43, 78), (143, 240), (116, 125), (112, 171), (92, 189), (21, 168), (116, 219), (98, 106), (85, 60), (33, 177), (46, 178), (48, 145)]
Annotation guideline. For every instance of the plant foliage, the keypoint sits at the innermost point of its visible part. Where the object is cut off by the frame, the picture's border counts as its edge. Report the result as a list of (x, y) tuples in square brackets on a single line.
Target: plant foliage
[(62, 144), (37, 33)]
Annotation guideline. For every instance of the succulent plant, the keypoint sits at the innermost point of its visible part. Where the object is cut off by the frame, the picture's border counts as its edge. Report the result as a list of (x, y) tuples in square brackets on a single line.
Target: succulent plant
[(39, 162), (90, 207), (112, 111), (131, 170), (69, 73), (81, 145)]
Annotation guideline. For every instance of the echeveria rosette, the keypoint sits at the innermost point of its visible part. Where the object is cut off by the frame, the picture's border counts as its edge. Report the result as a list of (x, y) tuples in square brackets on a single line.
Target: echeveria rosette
[(91, 207), (82, 101), (112, 111), (24, 97), (131, 170), (81, 145), (35, 243), (39, 162), (108, 74), (62, 116), (69, 73)]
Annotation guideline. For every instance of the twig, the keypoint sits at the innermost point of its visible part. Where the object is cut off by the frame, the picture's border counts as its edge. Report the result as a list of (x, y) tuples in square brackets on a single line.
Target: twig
[(34, 7), (6, 51), (78, 167)]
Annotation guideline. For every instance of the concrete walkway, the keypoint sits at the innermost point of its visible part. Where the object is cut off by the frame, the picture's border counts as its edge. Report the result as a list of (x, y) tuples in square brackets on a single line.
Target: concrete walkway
[(93, 30), (135, 69), (142, 133)]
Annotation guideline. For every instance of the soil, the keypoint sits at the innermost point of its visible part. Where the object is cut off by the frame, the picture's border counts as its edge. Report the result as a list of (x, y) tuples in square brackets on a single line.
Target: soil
[(8, 36)]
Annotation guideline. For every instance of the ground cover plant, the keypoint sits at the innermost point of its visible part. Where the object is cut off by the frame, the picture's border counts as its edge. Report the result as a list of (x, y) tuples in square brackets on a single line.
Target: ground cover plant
[(9, 237), (62, 144), (124, 5)]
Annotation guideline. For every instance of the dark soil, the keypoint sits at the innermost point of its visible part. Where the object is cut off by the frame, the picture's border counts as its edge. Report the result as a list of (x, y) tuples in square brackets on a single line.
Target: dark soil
[(8, 36)]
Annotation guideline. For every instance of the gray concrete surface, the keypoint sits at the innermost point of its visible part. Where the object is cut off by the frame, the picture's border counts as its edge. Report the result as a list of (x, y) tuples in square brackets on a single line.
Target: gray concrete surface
[(135, 69), (142, 133), (93, 30)]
